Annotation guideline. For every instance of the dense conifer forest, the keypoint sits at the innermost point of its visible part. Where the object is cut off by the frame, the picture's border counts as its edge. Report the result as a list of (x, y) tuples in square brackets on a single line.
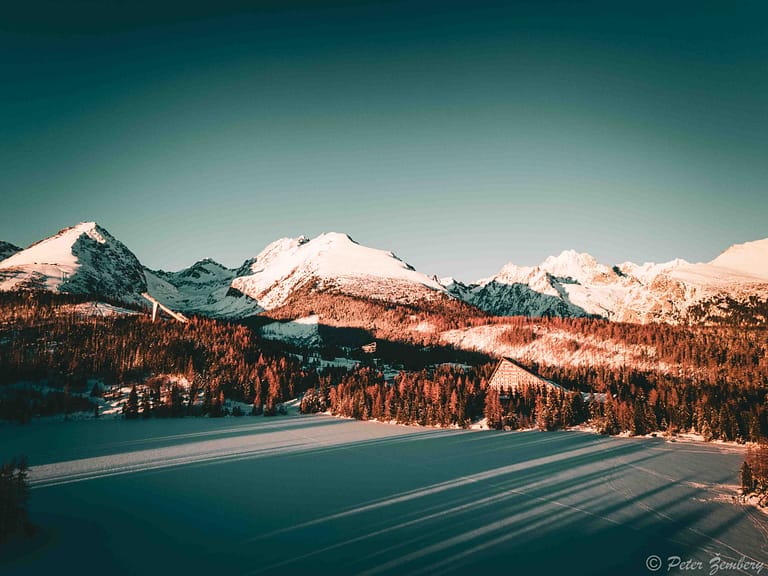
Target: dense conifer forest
[(717, 386), (754, 473), (43, 339)]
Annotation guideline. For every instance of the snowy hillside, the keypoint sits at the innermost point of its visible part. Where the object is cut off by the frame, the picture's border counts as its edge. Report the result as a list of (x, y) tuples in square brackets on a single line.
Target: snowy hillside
[(7, 249), (331, 262), (83, 259), (203, 288), (575, 284), (301, 332), (555, 346), (750, 258)]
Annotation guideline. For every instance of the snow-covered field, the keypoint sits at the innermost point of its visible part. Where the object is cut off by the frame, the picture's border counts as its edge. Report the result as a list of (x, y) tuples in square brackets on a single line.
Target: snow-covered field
[(319, 495), (555, 346)]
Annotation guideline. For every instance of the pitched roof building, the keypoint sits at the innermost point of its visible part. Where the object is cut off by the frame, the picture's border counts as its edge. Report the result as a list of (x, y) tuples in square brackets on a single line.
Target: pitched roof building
[(510, 376)]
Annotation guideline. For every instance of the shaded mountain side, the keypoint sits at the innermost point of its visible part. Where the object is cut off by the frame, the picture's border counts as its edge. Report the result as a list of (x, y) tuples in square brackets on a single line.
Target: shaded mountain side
[(203, 288), (110, 270), (519, 299), (420, 322), (7, 249)]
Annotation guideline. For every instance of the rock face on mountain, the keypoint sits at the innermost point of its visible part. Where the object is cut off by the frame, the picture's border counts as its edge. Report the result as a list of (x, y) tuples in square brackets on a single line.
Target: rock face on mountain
[(7, 249), (331, 263), (83, 259)]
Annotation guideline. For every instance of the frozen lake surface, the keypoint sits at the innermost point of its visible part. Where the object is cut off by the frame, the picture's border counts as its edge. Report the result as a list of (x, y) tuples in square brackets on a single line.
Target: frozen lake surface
[(318, 495)]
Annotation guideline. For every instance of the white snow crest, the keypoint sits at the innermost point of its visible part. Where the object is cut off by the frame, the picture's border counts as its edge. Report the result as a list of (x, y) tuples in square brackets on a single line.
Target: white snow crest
[(334, 259)]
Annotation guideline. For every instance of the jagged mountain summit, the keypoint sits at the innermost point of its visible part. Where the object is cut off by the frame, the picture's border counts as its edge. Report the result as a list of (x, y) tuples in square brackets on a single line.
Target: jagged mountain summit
[(575, 284), (203, 288), (7, 249), (82, 259), (290, 269), (86, 259), (331, 262)]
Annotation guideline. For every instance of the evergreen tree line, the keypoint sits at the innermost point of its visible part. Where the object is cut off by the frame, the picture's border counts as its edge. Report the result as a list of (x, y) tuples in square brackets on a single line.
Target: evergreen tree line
[(719, 388), (445, 396), (544, 408), (635, 403), (42, 340), (639, 402), (754, 473), (738, 354)]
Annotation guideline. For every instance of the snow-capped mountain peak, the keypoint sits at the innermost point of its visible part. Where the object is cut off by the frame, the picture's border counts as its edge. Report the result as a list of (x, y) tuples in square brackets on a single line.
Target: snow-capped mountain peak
[(86, 259), (331, 260), (203, 270), (575, 265), (82, 259), (92, 230), (574, 284)]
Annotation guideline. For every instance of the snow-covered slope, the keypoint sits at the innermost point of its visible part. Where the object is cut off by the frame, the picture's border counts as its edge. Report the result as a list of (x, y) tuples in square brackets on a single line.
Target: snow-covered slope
[(301, 332), (7, 249), (83, 259), (86, 259), (750, 259), (335, 262), (203, 288), (575, 284)]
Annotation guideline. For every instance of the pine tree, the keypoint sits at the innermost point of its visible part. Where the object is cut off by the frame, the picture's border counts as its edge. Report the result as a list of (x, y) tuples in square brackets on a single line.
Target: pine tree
[(610, 424), (567, 416), (641, 416), (177, 402), (131, 408), (207, 400), (493, 410), (146, 406), (747, 481), (554, 414)]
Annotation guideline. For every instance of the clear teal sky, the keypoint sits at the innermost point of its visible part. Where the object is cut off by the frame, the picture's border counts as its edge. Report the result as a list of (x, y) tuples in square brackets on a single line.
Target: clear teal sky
[(460, 135)]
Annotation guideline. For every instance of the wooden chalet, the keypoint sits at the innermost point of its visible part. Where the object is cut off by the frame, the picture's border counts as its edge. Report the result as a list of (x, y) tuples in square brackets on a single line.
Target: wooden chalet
[(510, 376)]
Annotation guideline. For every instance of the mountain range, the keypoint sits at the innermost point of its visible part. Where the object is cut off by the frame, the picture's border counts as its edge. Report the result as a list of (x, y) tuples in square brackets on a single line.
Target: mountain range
[(87, 259)]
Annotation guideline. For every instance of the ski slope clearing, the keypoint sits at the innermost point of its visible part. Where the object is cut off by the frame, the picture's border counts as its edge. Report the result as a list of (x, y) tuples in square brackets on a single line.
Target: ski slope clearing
[(319, 495)]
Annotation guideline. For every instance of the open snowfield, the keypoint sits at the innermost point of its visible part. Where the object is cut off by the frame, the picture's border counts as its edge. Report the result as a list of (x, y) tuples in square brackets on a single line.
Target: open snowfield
[(318, 495)]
